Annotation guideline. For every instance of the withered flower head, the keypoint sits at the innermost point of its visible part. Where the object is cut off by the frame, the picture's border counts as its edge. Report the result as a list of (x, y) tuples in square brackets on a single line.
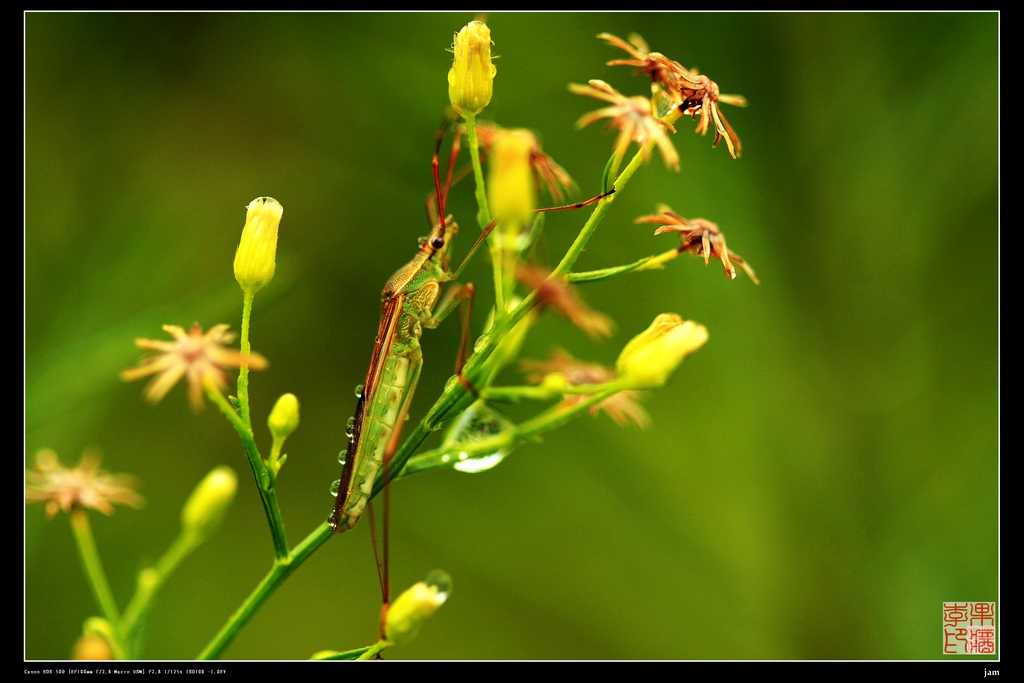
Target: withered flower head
[(700, 237), (624, 407), (634, 119), (692, 93), (555, 178), (198, 357), (85, 486), (561, 296), (700, 95), (660, 69)]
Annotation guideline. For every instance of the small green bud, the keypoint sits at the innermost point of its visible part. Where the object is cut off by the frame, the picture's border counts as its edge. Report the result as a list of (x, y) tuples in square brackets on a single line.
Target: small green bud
[(407, 614), (471, 78), (555, 384), (209, 502), (284, 418), (256, 256), (148, 579), (652, 356)]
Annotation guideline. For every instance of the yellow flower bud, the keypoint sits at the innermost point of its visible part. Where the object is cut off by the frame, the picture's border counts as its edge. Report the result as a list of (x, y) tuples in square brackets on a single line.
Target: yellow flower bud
[(284, 418), (555, 384), (209, 502), (97, 635), (414, 606), (510, 187), (652, 356), (255, 259), (471, 78), (92, 647)]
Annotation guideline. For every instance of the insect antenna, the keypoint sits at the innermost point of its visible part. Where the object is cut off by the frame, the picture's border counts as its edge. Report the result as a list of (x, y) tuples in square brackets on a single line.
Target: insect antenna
[(442, 193)]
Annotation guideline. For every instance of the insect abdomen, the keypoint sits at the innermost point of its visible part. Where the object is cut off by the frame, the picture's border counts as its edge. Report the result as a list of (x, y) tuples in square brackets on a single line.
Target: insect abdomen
[(386, 408)]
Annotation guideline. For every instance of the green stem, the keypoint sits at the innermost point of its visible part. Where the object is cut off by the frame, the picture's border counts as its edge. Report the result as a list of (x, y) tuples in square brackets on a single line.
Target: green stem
[(348, 654), (505, 440), (483, 217), (96, 577), (372, 651), (597, 214), (281, 570), (243, 372), (264, 482), (152, 579), (541, 393), (647, 263)]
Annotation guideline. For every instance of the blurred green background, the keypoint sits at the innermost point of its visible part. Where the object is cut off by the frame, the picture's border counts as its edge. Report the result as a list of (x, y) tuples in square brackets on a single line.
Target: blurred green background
[(817, 480)]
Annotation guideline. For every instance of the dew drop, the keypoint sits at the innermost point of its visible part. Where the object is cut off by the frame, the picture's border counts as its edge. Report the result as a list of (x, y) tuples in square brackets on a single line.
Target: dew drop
[(341, 457), (477, 423), (480, 463), (439, 580), (335, 485), (359, 390)]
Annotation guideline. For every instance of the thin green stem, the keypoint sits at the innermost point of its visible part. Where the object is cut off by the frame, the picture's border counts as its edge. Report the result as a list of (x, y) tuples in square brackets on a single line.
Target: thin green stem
[(483, 217), (647, 263), (152, 579), (281, 570), (507, 439), (264, 482), (598, 213), (540, 392), (243, 372), (95, 575), (372, 651), (347, 655)]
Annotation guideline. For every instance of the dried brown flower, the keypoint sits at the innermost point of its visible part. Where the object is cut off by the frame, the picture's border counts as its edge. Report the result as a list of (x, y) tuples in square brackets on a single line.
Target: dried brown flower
[(698, 236), (633, 117), (85, 486), (693, 94), (198, 357), (562, 296)]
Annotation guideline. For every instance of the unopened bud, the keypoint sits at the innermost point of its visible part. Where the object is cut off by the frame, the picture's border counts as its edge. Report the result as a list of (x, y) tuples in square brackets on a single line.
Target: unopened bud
[(407, 614), (209, 502), (471, 78), (510, 188), (652, 356), (94, 643), (256, 257), (555, 384), (92, 647), (284, 418)]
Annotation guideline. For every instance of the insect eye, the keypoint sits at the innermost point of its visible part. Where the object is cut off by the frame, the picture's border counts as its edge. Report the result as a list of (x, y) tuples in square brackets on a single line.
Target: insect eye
[(437, 242)]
